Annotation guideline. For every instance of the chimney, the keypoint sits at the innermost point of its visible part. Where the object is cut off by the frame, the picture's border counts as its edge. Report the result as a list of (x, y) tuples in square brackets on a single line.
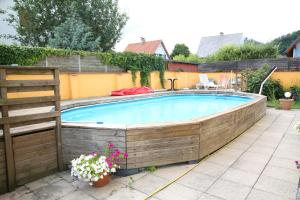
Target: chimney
[(143, 40), (221, 33)]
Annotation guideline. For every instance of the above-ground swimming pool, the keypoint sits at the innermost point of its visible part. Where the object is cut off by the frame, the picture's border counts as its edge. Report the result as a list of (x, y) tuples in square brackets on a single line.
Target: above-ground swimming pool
[(160, 128), (171, 108)]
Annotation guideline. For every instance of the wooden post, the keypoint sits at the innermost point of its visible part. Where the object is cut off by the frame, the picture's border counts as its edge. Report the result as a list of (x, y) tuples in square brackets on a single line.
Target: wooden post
[(58, 121), (9, 155)]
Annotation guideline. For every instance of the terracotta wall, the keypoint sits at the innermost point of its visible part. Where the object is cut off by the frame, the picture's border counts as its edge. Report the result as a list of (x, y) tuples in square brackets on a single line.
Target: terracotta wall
[(186, 67)]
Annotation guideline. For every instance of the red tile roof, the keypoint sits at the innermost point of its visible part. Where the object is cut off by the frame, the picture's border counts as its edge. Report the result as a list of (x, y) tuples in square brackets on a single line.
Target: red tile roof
[(148, 47)]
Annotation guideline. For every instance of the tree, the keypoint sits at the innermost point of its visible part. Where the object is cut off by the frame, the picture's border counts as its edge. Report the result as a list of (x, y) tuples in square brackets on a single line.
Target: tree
[(285, 41), (74, 34), (180, 49), (251, 41), (35, 21)]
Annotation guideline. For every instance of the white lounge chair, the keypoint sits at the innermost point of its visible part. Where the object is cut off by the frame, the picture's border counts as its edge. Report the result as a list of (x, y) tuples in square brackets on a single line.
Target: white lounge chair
[(205, 82)]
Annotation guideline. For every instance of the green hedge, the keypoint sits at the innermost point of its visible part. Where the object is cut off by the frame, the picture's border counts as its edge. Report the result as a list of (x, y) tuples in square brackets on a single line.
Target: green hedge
[(144, 63)]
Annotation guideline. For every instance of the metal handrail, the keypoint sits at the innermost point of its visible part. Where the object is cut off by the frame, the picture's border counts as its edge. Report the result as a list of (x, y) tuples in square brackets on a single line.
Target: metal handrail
[(270, 74)]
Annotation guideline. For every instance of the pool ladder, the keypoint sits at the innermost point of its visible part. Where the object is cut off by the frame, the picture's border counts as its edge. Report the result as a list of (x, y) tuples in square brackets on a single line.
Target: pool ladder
[(272, 70)]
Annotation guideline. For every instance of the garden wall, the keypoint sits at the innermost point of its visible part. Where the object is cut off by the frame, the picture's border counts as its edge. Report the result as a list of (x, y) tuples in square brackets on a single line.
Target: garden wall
[(84, 84)]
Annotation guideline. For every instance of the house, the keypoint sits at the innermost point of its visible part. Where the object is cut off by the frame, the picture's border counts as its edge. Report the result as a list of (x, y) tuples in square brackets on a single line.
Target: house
[(211, 44), (156, 47), (294, 49)]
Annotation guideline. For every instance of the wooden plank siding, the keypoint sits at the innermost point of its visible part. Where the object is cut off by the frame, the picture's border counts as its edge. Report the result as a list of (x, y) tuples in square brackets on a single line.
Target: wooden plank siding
[(77, 141), (162, 145), (157, 145), (35, 155), (218, 131), (35, 152)]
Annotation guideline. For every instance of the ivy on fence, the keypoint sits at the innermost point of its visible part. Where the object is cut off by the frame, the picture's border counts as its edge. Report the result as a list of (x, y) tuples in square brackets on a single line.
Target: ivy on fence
[(144, 63)]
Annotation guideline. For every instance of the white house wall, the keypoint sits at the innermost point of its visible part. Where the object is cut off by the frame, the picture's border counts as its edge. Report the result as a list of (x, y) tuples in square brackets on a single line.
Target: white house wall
[(296, 53), (161, 51)]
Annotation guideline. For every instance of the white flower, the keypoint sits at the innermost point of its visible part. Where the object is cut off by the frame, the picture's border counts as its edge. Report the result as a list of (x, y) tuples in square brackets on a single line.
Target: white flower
[(113, 170)]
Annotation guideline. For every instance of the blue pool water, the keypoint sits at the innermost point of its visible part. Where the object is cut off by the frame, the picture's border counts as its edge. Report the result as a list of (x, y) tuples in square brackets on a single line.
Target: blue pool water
[(174, 108)]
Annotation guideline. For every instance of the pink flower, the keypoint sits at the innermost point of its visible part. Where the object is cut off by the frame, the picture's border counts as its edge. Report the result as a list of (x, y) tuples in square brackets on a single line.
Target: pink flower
[(110, 145), (125, 155)]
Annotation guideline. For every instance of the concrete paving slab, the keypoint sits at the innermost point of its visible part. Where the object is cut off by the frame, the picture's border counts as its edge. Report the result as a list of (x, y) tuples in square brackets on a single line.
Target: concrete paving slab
[(240, 177), (211, 169), (262, 195), (178, 192), (197, 181), (276, 186), (229, 190), (149, 183)]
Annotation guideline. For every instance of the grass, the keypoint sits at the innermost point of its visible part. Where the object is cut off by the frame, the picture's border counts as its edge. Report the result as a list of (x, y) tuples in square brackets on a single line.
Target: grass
[(275, 104)]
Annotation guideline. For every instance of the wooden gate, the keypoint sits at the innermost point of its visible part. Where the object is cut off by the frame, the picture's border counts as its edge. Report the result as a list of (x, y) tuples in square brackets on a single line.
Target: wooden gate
[(30, 143)]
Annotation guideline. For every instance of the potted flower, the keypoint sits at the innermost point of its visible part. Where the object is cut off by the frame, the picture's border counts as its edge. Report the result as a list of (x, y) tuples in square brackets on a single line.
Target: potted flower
[(287, 102), (96, 168)]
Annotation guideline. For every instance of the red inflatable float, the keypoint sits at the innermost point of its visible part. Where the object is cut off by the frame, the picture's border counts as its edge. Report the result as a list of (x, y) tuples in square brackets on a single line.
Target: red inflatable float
[(131, 91)]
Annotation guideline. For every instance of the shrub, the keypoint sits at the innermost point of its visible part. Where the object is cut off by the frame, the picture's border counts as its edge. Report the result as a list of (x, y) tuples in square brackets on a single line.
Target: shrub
[(254, 78), (191, 58), (244, 52), (295, 90), (234, 53)]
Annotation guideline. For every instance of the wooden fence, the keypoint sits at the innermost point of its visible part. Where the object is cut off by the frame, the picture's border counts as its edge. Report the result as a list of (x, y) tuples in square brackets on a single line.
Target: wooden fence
[(30, 141), (78, 63), (283, 64)]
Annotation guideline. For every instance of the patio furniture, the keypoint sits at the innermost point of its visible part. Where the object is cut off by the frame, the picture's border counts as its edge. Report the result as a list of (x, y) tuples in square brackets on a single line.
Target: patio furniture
[(205, 82), (172, 81), (223, 81)]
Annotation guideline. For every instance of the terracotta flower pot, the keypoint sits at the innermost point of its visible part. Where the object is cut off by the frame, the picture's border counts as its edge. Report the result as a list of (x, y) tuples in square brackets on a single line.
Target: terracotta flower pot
[(102, 181), (286, 104)]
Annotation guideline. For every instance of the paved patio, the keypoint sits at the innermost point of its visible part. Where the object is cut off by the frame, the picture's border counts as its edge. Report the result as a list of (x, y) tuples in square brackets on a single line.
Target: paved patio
[(258, 165)]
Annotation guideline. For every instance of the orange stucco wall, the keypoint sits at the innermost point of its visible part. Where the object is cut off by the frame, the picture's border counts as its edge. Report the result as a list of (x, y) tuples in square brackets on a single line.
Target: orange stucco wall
[(82, 85)]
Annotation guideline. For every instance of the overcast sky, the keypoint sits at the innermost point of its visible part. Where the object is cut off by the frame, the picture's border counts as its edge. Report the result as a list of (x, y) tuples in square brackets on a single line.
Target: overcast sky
[(186, 21)]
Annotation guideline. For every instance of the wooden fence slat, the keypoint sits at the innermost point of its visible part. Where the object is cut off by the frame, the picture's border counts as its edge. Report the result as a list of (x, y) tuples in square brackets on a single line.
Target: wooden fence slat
[(31, 122), (30, 100), (44, 71), (26, 68), (31, 105), (26, 118), (30, 89), (27, 83)]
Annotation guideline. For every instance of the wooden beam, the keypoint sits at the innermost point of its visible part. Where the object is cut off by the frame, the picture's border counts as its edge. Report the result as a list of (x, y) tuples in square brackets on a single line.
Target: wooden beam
[(9, 156), (58, 122)]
